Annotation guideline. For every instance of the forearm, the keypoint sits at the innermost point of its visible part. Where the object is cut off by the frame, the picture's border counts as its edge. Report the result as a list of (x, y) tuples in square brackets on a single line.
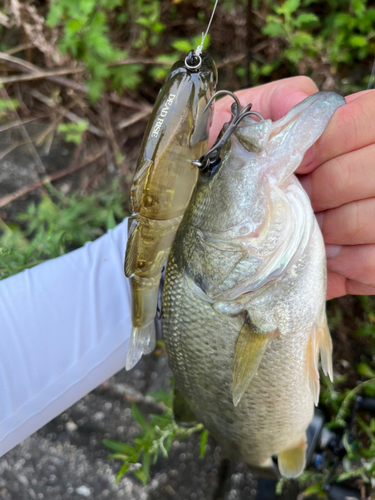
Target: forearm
[(64, 329)]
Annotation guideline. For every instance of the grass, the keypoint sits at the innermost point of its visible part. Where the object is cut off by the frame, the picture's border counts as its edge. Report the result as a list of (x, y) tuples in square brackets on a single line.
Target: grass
[(57, 225)]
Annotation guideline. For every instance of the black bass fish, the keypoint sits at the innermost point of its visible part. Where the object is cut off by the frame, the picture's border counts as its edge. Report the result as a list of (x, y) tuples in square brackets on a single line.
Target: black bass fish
[(244, 300)]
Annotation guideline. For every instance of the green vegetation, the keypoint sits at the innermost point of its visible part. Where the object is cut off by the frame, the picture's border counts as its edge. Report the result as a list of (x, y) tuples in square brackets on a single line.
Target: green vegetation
[(57, 225), (156, 437), (73, 131)]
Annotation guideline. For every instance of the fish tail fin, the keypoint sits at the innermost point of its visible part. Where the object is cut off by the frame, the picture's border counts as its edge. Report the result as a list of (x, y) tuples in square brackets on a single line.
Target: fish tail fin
[(142, 341), (320, 342), (293, 460)]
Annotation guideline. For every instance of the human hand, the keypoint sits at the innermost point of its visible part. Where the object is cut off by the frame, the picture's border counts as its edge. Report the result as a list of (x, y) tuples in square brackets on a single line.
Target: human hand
[(338, 175)]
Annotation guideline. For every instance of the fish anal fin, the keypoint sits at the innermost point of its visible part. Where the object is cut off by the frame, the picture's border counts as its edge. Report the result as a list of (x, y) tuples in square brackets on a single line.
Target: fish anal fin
[(183, 414), (324, 344), (248, 352), (293, 460)]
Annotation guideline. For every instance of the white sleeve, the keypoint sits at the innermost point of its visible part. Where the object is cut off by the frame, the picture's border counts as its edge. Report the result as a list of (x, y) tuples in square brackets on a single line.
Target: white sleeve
[(64, 329)]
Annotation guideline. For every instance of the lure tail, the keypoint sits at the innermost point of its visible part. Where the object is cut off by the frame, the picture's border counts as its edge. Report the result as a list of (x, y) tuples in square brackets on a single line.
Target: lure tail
[(142, 341)]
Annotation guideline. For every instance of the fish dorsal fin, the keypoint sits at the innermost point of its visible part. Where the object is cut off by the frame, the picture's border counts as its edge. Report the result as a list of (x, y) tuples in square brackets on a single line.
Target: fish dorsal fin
[(319, 343), (248, 352), (292, 461)]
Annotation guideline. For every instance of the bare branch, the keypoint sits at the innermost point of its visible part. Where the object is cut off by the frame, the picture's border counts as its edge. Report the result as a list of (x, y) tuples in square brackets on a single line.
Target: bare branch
[(71, 116), (38, 75), (133, 119), (30, 145)]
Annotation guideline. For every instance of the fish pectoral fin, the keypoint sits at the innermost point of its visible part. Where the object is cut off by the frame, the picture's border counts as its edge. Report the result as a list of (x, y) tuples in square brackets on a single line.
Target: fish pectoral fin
[(293, 460), (319, 343), (312, 366), (183, 414), (248, 352), (324, 343)]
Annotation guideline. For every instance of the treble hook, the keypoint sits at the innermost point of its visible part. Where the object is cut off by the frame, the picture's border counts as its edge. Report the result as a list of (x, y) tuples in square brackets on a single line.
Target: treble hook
[(209, 162)]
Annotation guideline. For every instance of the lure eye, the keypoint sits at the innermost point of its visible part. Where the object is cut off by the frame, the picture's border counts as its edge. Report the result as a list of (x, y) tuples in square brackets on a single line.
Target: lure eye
[(193, 61)]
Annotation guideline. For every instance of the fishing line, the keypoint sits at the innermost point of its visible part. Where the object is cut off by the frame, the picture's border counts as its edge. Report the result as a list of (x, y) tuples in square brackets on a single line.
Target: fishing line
[(199, 49)]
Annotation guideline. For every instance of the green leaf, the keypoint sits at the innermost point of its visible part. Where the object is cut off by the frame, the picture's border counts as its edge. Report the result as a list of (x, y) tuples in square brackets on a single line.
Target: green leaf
[(357, 41), (55, 14), (87, 6), (111, 222), (123, 470), (146, 464), (139, 418), (163, 396), (288, 7), (118, 456), (273, 29), (364, 370), (73, 131), (118, 446), (306, 19), (203, 443), (182, 45), (141, 476)]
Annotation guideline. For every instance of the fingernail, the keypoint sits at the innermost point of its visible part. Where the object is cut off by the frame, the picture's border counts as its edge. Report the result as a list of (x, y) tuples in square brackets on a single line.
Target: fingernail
[(306, 183), (332, 251), (319, 218), (309, 156)]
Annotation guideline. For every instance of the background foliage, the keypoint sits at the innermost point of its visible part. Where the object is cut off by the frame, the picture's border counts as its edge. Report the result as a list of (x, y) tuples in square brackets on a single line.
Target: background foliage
[(118, 53)]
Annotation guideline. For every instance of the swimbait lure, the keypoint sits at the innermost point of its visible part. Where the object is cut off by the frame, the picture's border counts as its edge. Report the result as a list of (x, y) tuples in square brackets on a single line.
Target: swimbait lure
[(177, 132)]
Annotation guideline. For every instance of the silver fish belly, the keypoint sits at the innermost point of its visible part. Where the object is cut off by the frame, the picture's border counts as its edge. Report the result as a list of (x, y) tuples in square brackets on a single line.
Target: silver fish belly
[(244, 298)]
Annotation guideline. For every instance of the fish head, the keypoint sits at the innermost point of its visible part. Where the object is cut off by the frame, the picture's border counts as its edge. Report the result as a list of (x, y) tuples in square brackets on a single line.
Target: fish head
[(258, 157)]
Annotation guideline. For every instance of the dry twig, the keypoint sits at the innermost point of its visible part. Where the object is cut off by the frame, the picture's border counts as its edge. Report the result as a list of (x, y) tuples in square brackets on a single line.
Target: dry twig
[(65, 82), (133, 119), (118, 158), (71, 116), (30, 145), (38, 75), (50, 178)]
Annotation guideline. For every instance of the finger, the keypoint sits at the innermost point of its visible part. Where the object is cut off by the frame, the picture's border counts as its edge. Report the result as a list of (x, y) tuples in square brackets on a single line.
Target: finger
[(352, 127), (356, 263), (344, 179), (272, 100), (337, 286), (350, 224)]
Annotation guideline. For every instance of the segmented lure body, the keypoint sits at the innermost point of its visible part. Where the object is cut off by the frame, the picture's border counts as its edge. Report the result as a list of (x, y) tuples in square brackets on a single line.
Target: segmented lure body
[(176, 134)]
